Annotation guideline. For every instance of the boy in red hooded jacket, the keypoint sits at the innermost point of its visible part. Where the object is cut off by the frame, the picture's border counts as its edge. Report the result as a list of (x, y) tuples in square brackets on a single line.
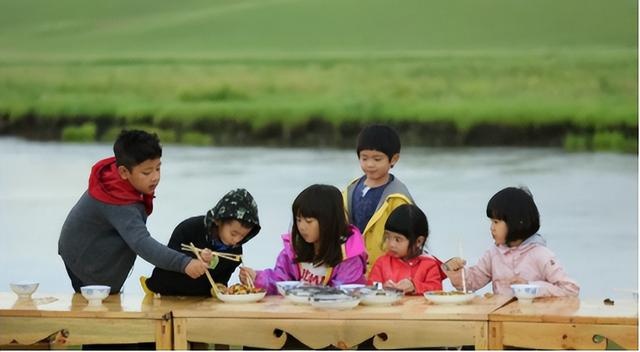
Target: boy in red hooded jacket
[(106, 229)]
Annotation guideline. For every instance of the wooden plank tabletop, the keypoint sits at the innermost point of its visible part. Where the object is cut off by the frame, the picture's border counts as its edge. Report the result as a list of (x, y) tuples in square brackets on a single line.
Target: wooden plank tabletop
[(74, 305), (277, 307), (569, 310)]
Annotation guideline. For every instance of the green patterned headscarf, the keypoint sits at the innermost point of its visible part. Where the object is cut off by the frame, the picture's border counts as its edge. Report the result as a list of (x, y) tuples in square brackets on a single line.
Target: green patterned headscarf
[(237, 204)]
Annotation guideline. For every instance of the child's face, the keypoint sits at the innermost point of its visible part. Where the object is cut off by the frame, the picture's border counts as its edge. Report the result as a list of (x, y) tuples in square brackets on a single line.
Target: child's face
[(375, 164), (144, 177), (309, 229), (232, 232), (499, 230), (397, 245)]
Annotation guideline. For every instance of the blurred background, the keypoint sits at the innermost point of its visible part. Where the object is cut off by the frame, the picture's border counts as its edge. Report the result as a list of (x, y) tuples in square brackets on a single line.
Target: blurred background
[(270, 95)]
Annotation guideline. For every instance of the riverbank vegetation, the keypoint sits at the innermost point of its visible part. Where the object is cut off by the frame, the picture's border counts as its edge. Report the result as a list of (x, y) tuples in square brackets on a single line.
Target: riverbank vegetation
[(550, 73)]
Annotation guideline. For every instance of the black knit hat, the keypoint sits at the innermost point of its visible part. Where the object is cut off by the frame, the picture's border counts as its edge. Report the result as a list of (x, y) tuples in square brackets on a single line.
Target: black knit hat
[(238, 205)]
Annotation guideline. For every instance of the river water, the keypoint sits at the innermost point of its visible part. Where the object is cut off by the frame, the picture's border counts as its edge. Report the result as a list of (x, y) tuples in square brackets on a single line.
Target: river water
[(588, 201)]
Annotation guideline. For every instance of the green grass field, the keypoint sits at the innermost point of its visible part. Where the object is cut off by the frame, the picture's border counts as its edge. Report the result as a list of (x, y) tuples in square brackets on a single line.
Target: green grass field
[(508, 62)]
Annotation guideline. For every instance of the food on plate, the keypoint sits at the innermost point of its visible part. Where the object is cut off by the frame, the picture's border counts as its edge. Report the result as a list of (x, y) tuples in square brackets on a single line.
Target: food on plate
[(238, 289)]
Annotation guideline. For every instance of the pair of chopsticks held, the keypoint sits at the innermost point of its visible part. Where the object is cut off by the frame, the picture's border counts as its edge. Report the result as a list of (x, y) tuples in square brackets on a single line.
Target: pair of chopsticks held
[(234, 257)]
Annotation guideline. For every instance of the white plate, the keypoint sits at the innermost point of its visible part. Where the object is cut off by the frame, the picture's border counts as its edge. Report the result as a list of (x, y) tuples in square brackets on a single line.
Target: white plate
[(379, 300), (448, 299), (251, 297), (338, 304)]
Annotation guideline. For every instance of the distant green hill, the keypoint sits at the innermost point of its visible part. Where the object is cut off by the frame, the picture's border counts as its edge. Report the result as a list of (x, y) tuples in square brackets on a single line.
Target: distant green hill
[(192, 65)]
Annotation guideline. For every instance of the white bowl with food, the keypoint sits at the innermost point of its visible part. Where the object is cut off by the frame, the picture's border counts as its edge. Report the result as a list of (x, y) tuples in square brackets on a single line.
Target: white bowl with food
[(95, 293), (284, 286), (24, 289), (525, 292), (380, 297), (239, 293), (303, 293), (242, 298), (448, 297), (334, 301)]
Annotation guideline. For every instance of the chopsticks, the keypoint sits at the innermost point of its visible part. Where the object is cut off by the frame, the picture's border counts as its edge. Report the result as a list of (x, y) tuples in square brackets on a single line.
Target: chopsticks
[(249, 279), (195, 251), (464, 282), (229, 256)]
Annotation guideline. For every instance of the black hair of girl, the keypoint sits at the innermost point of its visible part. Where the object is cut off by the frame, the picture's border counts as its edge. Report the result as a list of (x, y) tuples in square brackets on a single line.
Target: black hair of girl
[(411, 222), (515, 206), (324, 203)]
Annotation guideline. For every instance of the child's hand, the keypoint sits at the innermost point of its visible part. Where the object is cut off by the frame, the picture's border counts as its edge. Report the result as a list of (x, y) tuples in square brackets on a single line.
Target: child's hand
[(518, 280), (196, 268), (206, 255), (247, 274), (454, 264), (406, 286)]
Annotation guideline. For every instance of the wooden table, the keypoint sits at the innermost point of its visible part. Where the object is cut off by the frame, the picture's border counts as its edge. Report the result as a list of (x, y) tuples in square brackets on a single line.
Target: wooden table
[(411, 323), (67, 319), (565, 323)]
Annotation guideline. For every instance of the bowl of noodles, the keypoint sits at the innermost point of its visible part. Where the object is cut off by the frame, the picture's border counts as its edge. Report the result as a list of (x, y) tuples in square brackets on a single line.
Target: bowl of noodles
[(239, 293), (448, 297)]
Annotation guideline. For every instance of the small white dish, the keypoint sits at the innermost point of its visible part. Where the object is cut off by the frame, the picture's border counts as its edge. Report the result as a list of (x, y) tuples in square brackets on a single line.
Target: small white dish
[(283, 286), (95, 293), (334, 301), (525, 292), (454, 297), (242, 298), (24, 289)]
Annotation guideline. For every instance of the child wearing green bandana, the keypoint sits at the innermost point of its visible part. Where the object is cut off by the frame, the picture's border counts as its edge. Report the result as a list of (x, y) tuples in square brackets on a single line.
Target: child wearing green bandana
[(224, 228)]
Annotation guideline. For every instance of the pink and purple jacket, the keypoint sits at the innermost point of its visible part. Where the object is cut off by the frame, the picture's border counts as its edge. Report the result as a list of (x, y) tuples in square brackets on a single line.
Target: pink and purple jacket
[(531, 260), (350, 271)]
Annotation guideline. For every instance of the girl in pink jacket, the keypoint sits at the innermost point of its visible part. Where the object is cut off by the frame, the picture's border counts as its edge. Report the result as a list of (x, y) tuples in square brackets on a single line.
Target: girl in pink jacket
[(322, 249), (520, 255)]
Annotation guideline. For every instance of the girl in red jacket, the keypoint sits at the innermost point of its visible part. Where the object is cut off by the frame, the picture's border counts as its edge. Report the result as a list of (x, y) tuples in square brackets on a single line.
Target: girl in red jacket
[(405, 266)]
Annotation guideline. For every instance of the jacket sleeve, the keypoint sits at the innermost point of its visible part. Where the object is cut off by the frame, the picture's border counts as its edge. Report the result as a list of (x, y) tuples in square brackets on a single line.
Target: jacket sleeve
[(129, 223), (557, 282), (479, 275), (375, 275), (431, 281), (349, 271), (281, 272)]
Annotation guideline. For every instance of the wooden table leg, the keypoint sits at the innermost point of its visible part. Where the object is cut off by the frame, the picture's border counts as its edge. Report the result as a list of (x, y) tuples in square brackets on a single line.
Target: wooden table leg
[(180, 334), (164, 333), (495, 335)]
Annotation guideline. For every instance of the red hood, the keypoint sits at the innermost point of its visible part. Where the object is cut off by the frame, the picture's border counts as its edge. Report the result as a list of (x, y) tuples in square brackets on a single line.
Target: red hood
[(106, 185)]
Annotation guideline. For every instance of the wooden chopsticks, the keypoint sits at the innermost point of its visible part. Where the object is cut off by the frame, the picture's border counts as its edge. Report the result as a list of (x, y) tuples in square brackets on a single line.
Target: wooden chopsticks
[(195, 251), (229, 256)]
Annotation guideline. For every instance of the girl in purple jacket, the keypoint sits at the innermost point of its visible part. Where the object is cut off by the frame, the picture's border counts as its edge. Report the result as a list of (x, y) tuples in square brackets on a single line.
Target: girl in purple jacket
[(520, 254), (322, 248)]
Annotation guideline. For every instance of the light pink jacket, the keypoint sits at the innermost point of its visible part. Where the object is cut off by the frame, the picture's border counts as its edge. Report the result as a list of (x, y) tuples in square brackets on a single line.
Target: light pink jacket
[(531, 260)]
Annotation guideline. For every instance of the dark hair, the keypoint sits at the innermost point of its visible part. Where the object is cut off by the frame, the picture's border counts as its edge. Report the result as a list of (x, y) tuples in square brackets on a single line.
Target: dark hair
[(324, 203), (379, 137), (409, 221), (515, 206), (134, 147)]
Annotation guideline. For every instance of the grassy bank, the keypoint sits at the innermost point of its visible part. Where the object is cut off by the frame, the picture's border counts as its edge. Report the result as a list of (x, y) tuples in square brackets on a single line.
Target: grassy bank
[(276, 68)]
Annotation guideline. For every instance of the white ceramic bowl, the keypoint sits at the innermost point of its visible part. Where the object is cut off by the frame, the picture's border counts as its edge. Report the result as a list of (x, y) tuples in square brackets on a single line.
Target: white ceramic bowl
[(283, 286), (441, 297), (334, 301), (95, 293), (350, 288), (246, 298), (24, 289), (525, 292), (380, 297)]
